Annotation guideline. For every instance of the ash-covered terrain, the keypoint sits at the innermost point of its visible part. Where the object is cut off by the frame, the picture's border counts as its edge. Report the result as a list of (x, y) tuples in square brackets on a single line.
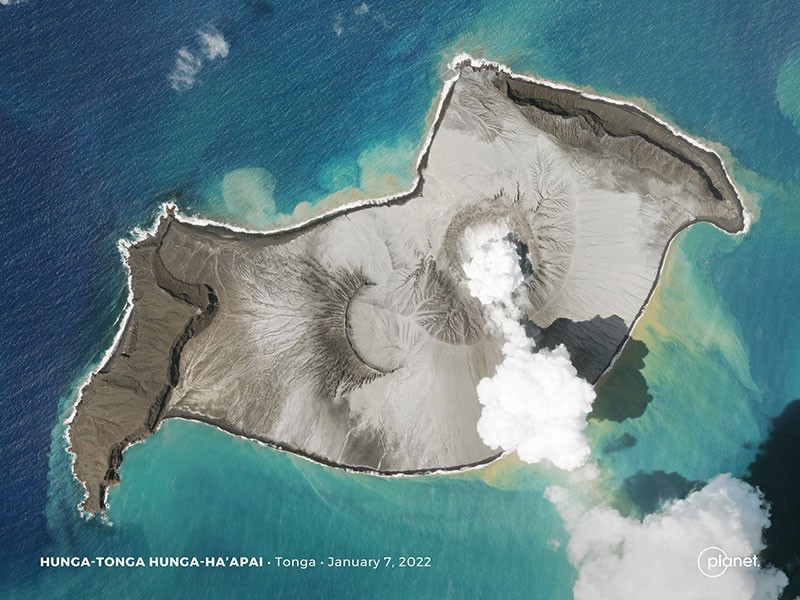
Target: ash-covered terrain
[(353, 339)]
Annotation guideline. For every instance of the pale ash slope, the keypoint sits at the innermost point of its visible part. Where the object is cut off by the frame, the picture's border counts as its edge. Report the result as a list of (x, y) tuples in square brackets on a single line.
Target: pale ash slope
[(353, 340)]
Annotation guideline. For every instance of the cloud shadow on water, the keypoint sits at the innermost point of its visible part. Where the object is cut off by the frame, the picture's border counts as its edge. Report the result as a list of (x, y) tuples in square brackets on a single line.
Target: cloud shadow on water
[(645, 493), (620, 443), (776, 472), (591, 344), (622, 393)]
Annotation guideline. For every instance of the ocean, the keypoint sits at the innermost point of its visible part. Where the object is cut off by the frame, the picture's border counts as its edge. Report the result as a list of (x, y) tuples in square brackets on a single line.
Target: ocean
[(313, 98)]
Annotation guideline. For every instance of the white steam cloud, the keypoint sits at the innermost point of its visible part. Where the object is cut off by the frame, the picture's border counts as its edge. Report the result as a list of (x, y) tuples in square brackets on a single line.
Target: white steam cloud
[(188, 63), (535, 403), (214, 44), (657, 558)]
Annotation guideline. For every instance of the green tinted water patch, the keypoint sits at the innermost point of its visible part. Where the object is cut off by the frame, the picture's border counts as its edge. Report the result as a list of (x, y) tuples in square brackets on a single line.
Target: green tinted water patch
[(247, 196), (192, 489), (243, 197), (760, 280), (383, 168), (496, 35), (705, 405), (788, 88)]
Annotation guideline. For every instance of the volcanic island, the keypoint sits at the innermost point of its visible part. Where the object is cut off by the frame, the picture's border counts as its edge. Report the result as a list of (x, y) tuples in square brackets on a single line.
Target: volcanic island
[(351, 338)]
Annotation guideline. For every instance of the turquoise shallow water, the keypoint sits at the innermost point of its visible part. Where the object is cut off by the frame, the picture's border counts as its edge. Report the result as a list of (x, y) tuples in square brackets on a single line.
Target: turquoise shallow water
[(101, 137), (210, 494), (449, 519)]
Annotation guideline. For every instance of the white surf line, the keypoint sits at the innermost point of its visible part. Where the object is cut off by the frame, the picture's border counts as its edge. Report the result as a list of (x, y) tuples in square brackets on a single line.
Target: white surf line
[(329, 465), (123, 246), (464, 59), (349, 206), (460, 60), (137, 235)]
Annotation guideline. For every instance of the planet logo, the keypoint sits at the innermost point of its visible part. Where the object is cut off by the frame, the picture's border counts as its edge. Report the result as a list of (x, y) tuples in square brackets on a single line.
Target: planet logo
[(713, 562)]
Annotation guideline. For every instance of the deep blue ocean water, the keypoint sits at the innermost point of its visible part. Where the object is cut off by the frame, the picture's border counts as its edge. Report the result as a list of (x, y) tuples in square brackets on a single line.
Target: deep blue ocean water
[(93, 138)]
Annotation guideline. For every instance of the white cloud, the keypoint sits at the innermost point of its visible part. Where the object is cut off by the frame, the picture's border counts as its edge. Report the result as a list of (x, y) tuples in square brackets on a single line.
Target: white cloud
[(338, 25), (361, 16), (535, 403), (188, 63), (214, 44), (186, 67), (657, 558)]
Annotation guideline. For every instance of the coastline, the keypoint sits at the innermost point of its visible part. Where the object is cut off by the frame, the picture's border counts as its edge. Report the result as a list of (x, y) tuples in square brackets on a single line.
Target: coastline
[(463, 60), (320, 460), (169, 210)]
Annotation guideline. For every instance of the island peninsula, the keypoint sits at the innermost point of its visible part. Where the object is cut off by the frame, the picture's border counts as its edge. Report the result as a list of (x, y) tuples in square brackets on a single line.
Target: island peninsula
[(352, 339)]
